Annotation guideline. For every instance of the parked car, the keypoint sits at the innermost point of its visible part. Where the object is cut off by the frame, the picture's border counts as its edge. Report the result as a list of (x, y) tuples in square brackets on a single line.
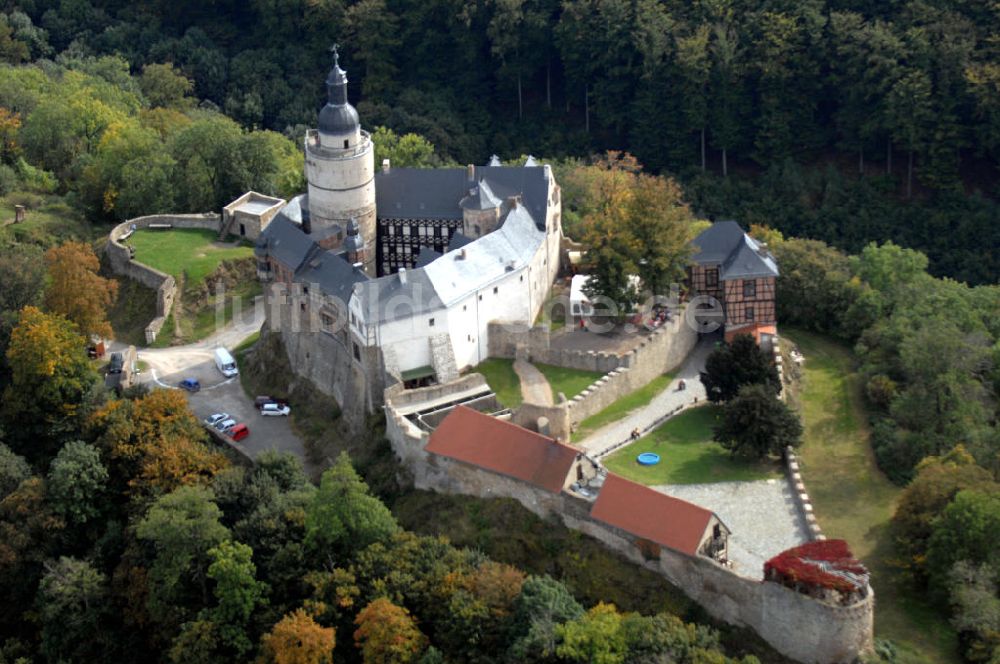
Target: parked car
[(212, 420), (225, 425), (261, 401), (190, 384), (116, 363), (239, 432), (275, 410)]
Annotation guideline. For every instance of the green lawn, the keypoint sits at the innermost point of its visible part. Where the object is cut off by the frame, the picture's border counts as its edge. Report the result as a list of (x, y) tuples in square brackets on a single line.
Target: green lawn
[(50, 221), (854, 501), (500, 375), (688, 454), (568, 381), (189, 252), (623, 406)]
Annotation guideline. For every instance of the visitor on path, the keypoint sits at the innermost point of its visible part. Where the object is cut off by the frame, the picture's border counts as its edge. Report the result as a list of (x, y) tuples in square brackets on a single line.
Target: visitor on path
[(635, 434)]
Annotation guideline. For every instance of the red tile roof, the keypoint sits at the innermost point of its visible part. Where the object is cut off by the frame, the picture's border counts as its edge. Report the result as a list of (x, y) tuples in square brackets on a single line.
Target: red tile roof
[(651, 515), (482, 440)]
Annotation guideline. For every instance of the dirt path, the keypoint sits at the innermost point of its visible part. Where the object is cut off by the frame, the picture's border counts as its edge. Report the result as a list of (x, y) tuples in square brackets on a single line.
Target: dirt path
[(534, 387)]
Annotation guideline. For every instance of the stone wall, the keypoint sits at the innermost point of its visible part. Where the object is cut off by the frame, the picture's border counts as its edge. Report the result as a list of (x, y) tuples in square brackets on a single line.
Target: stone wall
[(165, 286), (528, 415), (662, 351), (794, 624)]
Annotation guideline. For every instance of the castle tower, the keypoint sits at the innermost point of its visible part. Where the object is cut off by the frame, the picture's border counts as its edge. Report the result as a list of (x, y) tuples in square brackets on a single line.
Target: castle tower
[(340, 168)]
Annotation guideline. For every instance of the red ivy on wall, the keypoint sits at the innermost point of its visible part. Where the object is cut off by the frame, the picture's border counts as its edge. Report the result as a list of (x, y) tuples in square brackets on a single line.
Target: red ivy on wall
[(827, 564)]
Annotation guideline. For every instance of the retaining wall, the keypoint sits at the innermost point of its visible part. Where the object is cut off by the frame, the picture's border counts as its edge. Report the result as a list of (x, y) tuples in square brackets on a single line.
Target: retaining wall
[(663, 350), (794, 624), (164, 284)]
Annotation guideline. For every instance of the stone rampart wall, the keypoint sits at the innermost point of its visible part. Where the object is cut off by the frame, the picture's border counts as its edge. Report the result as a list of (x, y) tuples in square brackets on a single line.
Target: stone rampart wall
[(662, 351), (796, 625), (165, 286)]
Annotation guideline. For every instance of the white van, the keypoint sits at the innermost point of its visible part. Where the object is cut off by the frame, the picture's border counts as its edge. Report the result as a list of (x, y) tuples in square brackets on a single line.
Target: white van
[(225, 362)]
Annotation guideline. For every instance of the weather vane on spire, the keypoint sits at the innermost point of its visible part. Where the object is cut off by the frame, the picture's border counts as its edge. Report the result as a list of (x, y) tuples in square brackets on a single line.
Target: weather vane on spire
[(336, 56)]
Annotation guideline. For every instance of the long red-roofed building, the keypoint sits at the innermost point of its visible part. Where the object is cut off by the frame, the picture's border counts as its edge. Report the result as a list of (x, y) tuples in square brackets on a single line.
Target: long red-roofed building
[(659, 518), (484, 441)]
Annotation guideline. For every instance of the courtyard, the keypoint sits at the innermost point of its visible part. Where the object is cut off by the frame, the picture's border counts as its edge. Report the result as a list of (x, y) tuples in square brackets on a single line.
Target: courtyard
[(185, 252)]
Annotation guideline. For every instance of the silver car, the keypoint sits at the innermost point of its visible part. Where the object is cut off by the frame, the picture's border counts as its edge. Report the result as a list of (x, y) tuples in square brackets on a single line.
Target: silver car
[(225, 425), (212, 420)]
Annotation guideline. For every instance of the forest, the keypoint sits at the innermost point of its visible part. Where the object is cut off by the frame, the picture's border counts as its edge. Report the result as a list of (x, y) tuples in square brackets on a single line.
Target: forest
[(872, 129), (839, 120)]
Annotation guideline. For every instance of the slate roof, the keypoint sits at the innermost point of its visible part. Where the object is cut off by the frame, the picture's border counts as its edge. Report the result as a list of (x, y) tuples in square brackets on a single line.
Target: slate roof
[(426, 255), (424, 193), (725, 244), (481, 197), (651, 515), (487, 442), (332, 273), (284, 241), (487, 259), (388, 298), (458, 240)]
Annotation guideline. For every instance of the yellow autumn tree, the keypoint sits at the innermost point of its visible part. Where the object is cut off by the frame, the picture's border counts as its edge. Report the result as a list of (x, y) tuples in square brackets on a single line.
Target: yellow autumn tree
[(50, 376), (155, 443), (75, 289), (297, 639), (388, 634)]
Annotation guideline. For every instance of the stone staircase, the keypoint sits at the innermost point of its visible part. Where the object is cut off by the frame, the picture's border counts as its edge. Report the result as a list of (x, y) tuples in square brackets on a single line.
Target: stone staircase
[(225, 227), (443, 358)]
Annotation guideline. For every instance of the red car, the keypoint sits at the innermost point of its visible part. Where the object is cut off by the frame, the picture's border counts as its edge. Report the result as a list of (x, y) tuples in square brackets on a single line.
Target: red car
[(239, 432)]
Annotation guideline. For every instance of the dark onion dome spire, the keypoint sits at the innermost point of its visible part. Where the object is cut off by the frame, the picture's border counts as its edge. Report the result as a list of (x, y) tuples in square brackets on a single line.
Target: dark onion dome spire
[(338, 117)]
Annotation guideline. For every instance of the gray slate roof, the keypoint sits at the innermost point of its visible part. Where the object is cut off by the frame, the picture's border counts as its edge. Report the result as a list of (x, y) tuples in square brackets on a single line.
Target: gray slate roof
[(739, 256), (332, 273), (426, 255), (388, 298), (420, 193), (284, 241)]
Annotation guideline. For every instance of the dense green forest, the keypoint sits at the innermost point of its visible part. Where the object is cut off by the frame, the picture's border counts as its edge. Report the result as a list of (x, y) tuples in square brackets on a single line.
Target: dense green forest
[(844, 121)]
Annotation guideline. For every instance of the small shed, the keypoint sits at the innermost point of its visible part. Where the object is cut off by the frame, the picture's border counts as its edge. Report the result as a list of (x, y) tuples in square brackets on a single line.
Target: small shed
[(249, 215)]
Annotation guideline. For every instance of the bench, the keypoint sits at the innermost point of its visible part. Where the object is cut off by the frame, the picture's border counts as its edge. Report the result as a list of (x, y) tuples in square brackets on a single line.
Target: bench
[(126, 235), (160, 227)]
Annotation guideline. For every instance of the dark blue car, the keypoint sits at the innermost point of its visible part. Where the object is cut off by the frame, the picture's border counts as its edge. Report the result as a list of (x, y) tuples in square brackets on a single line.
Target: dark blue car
[(190, 384)]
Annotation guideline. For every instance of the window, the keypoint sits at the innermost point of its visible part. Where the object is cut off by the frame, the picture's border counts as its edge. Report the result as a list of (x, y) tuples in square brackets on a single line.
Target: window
[(712, 277), (522, 278), (430, 322), (496, 289), (328, 322), (480, 297), (749, 313), (476, 230), (469, 337), (243, 230), (305, 290), (302, 306), (750, 288), (357, 352), (345, 144), (465, 307)]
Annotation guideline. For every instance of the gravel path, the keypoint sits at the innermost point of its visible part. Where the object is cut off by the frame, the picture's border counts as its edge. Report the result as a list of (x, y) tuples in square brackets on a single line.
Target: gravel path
[(644, 418), (534, 386), (762, 515)]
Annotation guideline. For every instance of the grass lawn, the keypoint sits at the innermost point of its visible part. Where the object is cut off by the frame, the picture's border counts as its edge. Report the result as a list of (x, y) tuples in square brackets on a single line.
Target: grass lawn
[(502, 379), (623, 406), (189, 252), (568, 381), (854, 501), (688, 454)]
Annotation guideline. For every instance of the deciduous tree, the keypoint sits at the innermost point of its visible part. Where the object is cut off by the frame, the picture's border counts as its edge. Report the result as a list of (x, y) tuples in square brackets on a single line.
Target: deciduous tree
[(733, 365), (76, 290), (757, 424), (387, 634), (298, 639), (76, 482)]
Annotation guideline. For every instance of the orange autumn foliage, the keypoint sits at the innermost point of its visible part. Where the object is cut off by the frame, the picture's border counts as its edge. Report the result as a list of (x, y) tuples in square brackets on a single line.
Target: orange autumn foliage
[(298, 639), (387, 634), (76, 290), (156, 442)]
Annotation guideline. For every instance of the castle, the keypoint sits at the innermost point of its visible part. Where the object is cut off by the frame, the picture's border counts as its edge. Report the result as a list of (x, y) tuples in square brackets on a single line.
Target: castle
[(393, 276)]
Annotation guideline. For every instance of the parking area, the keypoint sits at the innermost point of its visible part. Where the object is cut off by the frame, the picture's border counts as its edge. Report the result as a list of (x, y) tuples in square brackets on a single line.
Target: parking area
[(221, 395)]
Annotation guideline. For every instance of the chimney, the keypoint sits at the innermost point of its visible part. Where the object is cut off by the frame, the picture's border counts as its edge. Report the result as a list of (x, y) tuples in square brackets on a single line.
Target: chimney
[(762, 249), (385, 165), (470, 172), (462, 255), (402, 275), (512, 202)]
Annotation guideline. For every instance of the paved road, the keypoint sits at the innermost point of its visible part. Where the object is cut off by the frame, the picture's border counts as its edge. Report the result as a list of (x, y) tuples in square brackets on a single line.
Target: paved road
[(646, 417), (762, 515), (535, 387), (168, 366)]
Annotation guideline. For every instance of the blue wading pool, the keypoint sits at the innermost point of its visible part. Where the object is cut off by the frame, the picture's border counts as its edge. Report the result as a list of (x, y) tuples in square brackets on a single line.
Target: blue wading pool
[(648, 459)]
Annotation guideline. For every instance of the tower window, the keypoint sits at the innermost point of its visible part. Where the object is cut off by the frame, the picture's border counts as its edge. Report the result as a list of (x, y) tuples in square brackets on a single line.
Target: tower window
[(749, 288), (749, 313), (345, 143), (496, 290), (430, 322)]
